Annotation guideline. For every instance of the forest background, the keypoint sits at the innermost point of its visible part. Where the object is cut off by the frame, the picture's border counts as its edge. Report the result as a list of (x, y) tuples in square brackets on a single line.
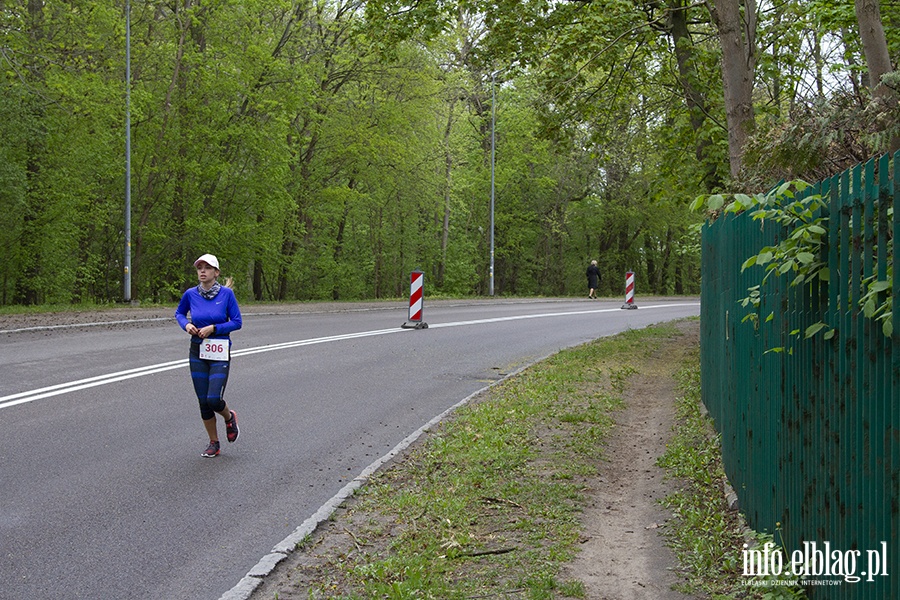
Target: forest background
[(323, 149)]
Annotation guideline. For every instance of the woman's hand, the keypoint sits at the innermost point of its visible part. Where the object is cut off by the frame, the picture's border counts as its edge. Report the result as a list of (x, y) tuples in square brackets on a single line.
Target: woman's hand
[(201, 333)]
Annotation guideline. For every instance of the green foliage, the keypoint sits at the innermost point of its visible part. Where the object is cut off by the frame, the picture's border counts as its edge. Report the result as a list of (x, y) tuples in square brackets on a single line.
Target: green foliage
[(801, 253), (824, 137), (878, 299), (324, 150)]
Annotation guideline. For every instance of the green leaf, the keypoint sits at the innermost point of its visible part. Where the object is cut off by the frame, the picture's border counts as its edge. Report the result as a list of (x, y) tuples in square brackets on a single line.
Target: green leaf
[(806, 257), (869, 307), (814, 329), (748, 263), (715, 202), (744, 200), (888, 327), (763, 257), (698, 203), (830, 334), (880, 286), (783, 188)]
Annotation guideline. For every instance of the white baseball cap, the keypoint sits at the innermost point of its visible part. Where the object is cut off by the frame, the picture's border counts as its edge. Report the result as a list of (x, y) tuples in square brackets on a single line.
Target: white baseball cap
[(208, 259)]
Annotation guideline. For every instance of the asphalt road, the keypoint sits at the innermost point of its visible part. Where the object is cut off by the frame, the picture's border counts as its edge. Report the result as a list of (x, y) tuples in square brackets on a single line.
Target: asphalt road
[(103, 493)]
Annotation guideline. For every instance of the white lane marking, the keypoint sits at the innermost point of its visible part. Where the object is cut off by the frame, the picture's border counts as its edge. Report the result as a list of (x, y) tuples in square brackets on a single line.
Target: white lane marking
[(81, 384), (98, 380), (557, 314)]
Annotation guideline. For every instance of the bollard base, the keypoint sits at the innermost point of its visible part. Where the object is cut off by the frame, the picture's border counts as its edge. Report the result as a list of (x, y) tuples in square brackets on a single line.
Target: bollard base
[(629, 306), (419, 325)]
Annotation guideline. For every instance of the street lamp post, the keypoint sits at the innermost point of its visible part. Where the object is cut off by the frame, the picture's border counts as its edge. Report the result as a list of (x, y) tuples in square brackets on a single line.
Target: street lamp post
[(493, 160), (127, 283)]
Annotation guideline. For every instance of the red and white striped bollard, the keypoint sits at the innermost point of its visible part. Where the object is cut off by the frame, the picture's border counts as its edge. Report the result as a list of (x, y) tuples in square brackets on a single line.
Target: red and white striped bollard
[(416, 301), (629, 291)]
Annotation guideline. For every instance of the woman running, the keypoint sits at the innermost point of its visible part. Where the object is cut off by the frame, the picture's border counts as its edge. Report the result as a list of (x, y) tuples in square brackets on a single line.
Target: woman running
[(214, 314)]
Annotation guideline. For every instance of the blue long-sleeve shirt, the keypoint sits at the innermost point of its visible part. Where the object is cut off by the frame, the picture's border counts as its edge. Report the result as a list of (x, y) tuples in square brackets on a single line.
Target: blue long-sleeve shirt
[(222, 311)]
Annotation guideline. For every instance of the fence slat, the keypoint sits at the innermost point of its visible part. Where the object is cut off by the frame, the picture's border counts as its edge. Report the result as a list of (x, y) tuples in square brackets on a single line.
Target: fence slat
[(893, 432)]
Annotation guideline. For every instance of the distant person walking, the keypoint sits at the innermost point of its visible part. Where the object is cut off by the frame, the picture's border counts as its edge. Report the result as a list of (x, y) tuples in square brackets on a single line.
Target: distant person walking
[(593, 277), (214, 314)]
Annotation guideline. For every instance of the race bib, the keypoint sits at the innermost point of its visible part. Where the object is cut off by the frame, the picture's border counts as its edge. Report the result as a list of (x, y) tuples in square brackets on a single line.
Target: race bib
[(214, 349)]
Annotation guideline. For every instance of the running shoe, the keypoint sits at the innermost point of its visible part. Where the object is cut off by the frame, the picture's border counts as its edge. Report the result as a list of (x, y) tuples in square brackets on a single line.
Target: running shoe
[(211, 451), (231, 428)]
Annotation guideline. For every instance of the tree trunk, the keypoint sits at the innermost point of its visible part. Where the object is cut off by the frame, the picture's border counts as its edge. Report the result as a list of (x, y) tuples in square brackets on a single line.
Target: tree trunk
[(878, 59), (820, 65), (687, 75), (871, 33), (257, 280), (27, 286), (737, 37), (339, 241), (448, 186), (679, 276)]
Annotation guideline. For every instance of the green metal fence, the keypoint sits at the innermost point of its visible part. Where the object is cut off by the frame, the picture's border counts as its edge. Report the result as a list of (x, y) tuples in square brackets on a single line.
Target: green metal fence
[(811, 438)]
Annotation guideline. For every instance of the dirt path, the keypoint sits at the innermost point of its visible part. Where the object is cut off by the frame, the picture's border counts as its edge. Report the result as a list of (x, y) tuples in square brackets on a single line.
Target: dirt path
[(623, 554)]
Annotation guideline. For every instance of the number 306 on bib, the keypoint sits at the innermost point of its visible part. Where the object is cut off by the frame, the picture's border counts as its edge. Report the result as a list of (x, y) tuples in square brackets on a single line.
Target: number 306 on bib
[(211, 349)]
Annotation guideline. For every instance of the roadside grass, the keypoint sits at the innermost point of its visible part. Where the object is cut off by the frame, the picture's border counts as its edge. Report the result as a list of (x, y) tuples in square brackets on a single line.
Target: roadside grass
[(488, 504), (707, 537), (19, 309)]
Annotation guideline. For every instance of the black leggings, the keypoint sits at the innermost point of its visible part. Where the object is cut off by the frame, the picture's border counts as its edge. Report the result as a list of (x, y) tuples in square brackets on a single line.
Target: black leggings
[(209, 377)]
